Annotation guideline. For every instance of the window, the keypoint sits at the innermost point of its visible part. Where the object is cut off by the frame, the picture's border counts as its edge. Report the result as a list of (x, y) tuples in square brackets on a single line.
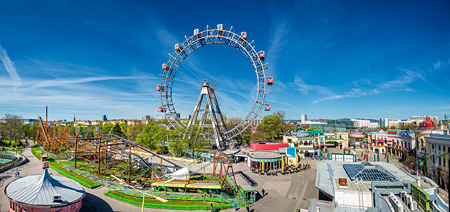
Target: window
[(439, 160), (439, 147)]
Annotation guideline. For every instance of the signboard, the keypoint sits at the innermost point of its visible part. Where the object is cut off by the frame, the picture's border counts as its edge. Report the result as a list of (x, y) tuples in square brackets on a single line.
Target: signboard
[(45, 165), (290, 152)]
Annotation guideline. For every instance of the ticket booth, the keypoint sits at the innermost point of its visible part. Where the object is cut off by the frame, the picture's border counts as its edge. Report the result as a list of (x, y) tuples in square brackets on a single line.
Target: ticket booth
[(43, 157)]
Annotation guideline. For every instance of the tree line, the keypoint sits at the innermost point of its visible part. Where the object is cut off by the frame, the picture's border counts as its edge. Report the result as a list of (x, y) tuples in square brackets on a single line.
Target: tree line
[(155, 135)]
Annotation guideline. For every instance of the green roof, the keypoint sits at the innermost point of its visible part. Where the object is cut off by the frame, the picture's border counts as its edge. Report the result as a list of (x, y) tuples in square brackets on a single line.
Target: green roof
[(298, 129), (305, 138), (315, 132)]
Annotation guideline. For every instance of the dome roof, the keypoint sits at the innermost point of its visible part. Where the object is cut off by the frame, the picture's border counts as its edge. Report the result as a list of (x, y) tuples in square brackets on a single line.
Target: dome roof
[(40, 190), (427, 125)]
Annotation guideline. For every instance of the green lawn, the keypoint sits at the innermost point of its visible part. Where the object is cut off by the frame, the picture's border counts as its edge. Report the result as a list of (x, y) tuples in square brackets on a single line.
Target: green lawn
[(81, 179), (149, 199), (13, 143), (37, 151)]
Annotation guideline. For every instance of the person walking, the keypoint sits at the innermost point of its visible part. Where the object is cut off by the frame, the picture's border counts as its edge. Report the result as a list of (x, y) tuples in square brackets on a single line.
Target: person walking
[(212, 208), (263, 192), (18, 174)]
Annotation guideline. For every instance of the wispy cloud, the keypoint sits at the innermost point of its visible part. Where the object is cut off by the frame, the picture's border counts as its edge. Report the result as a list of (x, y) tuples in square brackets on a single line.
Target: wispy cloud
[(399, 84), (9, 66), (277, 42), (63, 82), (305, 88)]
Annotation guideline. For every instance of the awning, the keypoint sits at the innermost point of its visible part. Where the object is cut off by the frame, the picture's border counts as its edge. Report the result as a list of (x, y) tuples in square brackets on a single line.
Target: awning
[(321, 144), (317, 145), (390, 141), (305, 148)]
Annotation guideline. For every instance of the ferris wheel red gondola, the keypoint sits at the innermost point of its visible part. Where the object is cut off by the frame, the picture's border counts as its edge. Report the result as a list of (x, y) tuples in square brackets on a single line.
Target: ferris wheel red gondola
[(269, 80), (253, 131), (267, 107)]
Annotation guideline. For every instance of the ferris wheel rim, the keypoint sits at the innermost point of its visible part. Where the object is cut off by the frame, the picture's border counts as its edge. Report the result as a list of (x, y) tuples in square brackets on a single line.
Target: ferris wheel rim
[(196, 41)]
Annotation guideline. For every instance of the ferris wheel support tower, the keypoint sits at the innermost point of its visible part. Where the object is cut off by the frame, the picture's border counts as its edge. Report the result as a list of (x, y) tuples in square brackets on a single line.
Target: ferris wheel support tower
[(213, 110)]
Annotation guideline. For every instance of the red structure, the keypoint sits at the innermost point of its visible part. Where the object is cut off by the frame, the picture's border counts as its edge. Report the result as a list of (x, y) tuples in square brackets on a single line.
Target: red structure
[(427, 125), (269, 80), (267, 145)]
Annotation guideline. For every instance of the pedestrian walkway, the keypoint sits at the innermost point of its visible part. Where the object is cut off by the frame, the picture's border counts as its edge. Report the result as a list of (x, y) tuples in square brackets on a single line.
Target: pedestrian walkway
[(93, 201)]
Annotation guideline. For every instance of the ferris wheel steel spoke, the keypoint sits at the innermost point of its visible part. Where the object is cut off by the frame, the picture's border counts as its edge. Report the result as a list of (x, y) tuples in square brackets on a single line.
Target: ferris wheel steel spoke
[(192, 43)]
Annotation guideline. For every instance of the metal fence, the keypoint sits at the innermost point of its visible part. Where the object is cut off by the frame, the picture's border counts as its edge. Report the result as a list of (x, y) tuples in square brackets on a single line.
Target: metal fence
[(235, 200), (15, 160), (91, 176)]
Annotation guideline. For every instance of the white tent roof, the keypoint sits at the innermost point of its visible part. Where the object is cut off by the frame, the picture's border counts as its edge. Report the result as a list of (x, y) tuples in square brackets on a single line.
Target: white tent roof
[(181, 174), (40, 189)]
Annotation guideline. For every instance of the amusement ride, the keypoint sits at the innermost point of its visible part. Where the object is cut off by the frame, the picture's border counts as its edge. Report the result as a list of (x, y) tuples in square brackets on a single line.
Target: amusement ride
[(117, 161)]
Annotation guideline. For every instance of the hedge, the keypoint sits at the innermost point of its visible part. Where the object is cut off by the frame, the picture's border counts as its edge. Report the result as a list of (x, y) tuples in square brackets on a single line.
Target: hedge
[(89, 185), (168, 206)]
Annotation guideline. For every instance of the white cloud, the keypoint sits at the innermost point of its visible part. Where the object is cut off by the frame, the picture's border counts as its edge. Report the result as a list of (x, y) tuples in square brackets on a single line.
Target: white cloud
[(63, 82), (9, 66), (277, 42), (399, 84), (305, 88)]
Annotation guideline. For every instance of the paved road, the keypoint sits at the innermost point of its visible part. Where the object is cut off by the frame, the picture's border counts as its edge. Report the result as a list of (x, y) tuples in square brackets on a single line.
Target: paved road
[(284, 193), (94, 200)]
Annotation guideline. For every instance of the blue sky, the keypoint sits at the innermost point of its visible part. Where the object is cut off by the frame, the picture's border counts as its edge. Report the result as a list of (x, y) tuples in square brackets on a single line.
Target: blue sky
[(329, 59)]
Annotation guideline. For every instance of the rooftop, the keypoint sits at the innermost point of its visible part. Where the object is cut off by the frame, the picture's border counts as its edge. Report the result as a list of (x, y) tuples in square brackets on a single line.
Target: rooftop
[(39, 189), (264, 154), (327, 170)]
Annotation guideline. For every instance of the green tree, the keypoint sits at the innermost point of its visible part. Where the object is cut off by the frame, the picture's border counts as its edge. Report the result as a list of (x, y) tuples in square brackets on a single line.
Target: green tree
[(194, 141), (146, 136), (117, 130), (132, 132), (12, 127), (392, 127), (288, 127), (25, 129), (272, 126), (312, 128), (106, 127)]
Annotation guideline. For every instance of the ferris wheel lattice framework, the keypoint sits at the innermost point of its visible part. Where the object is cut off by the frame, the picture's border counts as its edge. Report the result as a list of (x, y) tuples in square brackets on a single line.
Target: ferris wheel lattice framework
[(200, 39)]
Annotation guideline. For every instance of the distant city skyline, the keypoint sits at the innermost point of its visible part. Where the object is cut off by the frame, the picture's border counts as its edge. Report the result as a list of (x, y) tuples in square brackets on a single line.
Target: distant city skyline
[(329, 59)]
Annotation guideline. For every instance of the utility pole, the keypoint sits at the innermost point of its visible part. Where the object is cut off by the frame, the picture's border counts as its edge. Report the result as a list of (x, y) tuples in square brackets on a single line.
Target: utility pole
[(76, 148)]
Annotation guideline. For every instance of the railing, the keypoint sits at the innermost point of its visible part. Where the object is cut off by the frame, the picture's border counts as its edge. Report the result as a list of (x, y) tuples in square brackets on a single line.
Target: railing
[(16, 159), (91, 176), (235, 200)]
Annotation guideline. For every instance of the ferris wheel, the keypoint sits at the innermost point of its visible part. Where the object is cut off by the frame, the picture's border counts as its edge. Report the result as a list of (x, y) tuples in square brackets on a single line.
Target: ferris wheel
[(199, 39)]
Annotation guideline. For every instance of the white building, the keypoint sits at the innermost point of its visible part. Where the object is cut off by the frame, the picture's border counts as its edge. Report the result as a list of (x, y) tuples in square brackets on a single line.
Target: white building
[(304, 118), (361, 123), (374, 125), (387, 122)]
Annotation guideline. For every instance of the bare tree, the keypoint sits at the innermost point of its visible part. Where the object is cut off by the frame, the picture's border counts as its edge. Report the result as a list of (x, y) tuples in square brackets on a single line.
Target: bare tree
[(281, 114), (12, 127)]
